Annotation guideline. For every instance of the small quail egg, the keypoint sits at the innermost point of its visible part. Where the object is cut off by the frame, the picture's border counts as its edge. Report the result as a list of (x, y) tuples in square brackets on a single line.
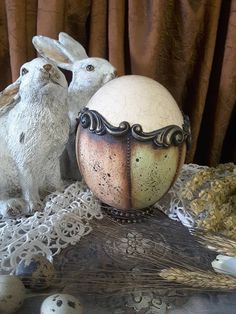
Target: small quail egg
[(37, 273), (12, 293), (61, 304)]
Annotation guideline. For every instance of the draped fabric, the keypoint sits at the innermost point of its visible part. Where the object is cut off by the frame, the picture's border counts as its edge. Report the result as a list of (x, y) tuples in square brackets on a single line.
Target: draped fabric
[(189, 46)]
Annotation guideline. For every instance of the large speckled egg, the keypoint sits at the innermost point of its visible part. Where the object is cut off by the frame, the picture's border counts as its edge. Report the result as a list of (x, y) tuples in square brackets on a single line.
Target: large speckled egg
[(61, 304), (12, 293), (37, 273), (131, 142)]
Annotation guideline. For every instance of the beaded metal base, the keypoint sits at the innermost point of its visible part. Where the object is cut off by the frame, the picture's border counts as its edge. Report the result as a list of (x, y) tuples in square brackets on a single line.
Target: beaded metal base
[(128, 216)]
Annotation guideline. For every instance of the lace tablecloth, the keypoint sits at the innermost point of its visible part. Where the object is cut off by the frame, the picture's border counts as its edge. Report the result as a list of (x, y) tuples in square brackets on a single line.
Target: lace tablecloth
[(66, 219), (63, 232)]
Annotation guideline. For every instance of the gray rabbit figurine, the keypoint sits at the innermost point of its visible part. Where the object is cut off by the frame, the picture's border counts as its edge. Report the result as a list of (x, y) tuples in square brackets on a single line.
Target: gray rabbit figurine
[(34, 129), (89, 74)]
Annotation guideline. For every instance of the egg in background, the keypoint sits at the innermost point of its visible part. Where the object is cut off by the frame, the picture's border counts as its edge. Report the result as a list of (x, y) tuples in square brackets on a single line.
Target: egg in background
[(12, 294)]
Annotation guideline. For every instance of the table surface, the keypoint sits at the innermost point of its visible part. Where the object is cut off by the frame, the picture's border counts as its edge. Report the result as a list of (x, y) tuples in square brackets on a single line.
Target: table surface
[(103, 250), (200, 304)]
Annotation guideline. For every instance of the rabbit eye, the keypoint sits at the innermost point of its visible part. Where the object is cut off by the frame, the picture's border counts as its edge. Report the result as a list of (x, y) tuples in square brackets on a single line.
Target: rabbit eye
[(24, 71), (90, 67)]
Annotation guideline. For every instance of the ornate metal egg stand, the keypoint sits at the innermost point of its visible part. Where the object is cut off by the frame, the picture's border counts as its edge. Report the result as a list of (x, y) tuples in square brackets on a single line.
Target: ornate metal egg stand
[(128, 216), (163, 138)]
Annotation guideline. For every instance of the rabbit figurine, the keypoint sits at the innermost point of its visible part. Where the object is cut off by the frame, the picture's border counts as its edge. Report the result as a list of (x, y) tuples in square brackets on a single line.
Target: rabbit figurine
[(34, 129), (89, 74)]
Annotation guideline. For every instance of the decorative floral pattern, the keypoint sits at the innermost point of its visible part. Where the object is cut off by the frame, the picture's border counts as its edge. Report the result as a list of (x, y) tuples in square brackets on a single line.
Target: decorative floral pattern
[(164, 137), (64, 220), (134, 244), (146, 302)]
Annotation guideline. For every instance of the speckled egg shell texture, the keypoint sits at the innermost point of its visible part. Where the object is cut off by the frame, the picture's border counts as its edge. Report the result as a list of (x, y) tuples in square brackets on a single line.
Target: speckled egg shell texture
[(61, 304), (37, 273), (121, 171), (12, 293)]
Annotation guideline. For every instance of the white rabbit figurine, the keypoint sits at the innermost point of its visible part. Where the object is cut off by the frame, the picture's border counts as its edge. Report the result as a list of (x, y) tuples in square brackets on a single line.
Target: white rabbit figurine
[(34, 129), (89, 74)]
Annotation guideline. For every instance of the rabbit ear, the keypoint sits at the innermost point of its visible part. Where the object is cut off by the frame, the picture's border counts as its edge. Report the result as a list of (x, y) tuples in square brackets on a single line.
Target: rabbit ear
[(52, 50), (9, 96), (73, 47)]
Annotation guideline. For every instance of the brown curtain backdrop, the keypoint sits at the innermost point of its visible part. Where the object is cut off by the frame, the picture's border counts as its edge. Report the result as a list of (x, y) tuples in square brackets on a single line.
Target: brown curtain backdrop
[(189, 46)]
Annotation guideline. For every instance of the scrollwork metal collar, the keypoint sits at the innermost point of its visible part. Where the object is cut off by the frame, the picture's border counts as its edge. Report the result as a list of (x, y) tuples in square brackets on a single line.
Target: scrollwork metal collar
[(162, 138)]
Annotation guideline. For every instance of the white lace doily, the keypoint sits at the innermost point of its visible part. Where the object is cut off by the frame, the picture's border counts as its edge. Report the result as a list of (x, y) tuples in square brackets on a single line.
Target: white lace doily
[(66, 218)]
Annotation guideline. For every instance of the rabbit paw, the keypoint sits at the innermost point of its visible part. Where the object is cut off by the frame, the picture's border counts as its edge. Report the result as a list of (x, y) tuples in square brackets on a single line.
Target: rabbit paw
[(12, 208), (35, 206)]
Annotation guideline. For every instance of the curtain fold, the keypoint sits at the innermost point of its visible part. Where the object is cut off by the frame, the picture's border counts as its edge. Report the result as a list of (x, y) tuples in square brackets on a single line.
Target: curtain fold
[(51, 17), (16, 24), (98, 29), (116, 34), (175, 45), (226, 94), (4, 49), (189, 46)]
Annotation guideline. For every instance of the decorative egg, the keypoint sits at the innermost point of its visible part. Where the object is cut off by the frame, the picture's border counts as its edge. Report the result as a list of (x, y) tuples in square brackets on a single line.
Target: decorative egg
[(37, 273), (61, 304), (12, 293), (131, 142)]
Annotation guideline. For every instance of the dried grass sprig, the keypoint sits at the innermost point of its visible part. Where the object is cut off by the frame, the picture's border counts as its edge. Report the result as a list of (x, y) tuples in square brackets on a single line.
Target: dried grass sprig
[(199, 279), (218, 243)]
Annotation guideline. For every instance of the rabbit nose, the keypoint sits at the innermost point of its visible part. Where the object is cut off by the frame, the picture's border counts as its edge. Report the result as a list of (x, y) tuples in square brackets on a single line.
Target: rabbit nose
[(47, 67), (115, 73)]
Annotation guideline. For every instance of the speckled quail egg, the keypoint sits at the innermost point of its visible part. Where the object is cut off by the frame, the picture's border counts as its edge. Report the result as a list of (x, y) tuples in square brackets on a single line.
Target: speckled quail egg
[(61, 304), (12, 293), (36, 273)]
